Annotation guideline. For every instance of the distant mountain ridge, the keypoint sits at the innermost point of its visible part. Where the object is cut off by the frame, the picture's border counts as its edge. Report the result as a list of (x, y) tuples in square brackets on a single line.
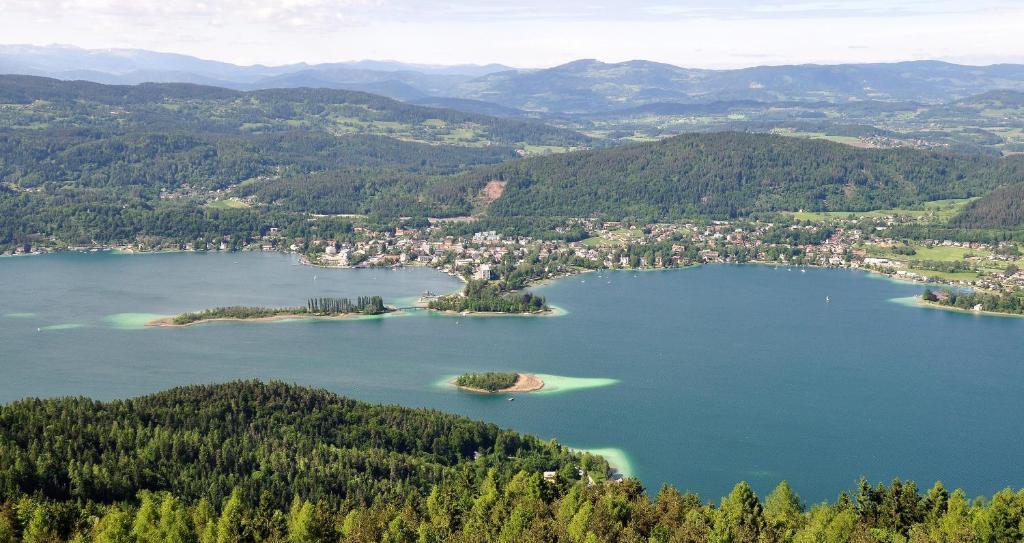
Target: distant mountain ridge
[(132, 66), (66, 58), (584, 86), (587, 86)]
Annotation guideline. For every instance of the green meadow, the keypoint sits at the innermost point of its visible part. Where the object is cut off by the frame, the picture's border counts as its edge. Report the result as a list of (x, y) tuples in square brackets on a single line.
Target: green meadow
[(938, 210)]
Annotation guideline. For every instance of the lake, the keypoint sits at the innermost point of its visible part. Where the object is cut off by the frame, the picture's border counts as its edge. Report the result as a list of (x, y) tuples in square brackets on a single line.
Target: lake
[(699, 377)]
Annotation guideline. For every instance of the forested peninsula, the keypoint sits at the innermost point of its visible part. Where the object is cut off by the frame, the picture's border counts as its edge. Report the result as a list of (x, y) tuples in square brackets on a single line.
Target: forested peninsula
[(1006, 303), (249, 461), (315, 308)]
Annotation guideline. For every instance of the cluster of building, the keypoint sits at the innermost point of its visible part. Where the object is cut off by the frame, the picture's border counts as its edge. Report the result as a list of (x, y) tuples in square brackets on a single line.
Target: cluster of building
[(611, 245)]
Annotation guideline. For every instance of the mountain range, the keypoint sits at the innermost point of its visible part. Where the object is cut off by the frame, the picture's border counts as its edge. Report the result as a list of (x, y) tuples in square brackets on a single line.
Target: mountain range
[(579, 87), (133, 66)]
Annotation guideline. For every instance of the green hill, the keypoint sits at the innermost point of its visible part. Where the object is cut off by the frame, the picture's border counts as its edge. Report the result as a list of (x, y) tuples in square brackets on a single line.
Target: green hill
[(733, 174), (253, 462), (86, 162), (1003, 208), (271, 441), (38, 102)]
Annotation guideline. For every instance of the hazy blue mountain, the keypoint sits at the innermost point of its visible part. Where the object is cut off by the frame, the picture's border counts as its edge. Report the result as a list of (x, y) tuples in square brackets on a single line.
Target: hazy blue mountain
[(130, 66), (61, 59), (578, 87), (141, 76), (475, 70), (402, 85), (389, 78), (591, 86)]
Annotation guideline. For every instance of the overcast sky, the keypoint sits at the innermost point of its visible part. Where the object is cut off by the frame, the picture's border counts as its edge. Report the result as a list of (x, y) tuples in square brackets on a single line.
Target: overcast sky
[(533, 33)]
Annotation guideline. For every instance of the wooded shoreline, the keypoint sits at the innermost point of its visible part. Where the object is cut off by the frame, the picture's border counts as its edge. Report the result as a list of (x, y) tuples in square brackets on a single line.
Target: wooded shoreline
[(525, 382)]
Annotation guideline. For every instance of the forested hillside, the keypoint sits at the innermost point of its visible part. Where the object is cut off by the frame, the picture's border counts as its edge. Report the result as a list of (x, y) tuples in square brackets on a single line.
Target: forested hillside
[(152, 160), (37, 102), (733, 174), (270, 441), (247, 462), (85, 187), (90, 163), (1003, 208)]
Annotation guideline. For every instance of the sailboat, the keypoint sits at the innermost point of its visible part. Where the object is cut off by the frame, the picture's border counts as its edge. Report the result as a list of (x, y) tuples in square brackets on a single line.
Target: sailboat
[(828, 300)]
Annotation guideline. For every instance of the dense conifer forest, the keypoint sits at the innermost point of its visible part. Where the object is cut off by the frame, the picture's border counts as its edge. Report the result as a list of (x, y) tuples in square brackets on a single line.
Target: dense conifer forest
[(365, 305), (1003, 209), (234, 312), (490, 381), (486, 297), (725, 175), (248, 461)]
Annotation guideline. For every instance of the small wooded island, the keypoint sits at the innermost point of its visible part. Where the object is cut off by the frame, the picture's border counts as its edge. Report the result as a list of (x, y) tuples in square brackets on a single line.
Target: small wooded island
[(1007, 303), (484, 297), (496, 382), (315, 308)]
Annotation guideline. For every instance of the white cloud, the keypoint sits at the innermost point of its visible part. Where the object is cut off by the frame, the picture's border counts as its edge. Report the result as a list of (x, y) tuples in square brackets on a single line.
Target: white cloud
[(288, 13), (703, 33)]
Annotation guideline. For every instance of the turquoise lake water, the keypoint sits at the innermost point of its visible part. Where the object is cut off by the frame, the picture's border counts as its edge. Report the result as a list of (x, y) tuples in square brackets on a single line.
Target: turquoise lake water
[(698, 377)]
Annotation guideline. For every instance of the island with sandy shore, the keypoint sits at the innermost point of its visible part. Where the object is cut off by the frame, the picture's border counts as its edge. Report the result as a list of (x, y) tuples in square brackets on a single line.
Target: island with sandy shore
[(497, 383), (315, 309)]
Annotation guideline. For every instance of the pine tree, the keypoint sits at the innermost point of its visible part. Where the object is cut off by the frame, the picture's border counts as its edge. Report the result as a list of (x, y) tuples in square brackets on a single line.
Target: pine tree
[(229, 526), (783, 511), (114, 527), (742, 513)]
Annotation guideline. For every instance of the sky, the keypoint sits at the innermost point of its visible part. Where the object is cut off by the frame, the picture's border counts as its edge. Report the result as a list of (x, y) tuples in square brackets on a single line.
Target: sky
[(532, 33)]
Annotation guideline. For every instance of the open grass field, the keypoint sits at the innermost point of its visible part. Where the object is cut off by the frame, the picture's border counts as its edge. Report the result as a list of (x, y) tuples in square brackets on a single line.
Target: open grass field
[(948, 276), (613, 238), (939, 253), (976, 258), (545, 149), (429, 131), (227, 204), (938, 210), (942, 253), (845, 140)]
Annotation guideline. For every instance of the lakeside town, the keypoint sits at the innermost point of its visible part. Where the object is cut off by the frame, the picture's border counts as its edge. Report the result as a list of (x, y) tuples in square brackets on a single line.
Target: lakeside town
[(516, 261)]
